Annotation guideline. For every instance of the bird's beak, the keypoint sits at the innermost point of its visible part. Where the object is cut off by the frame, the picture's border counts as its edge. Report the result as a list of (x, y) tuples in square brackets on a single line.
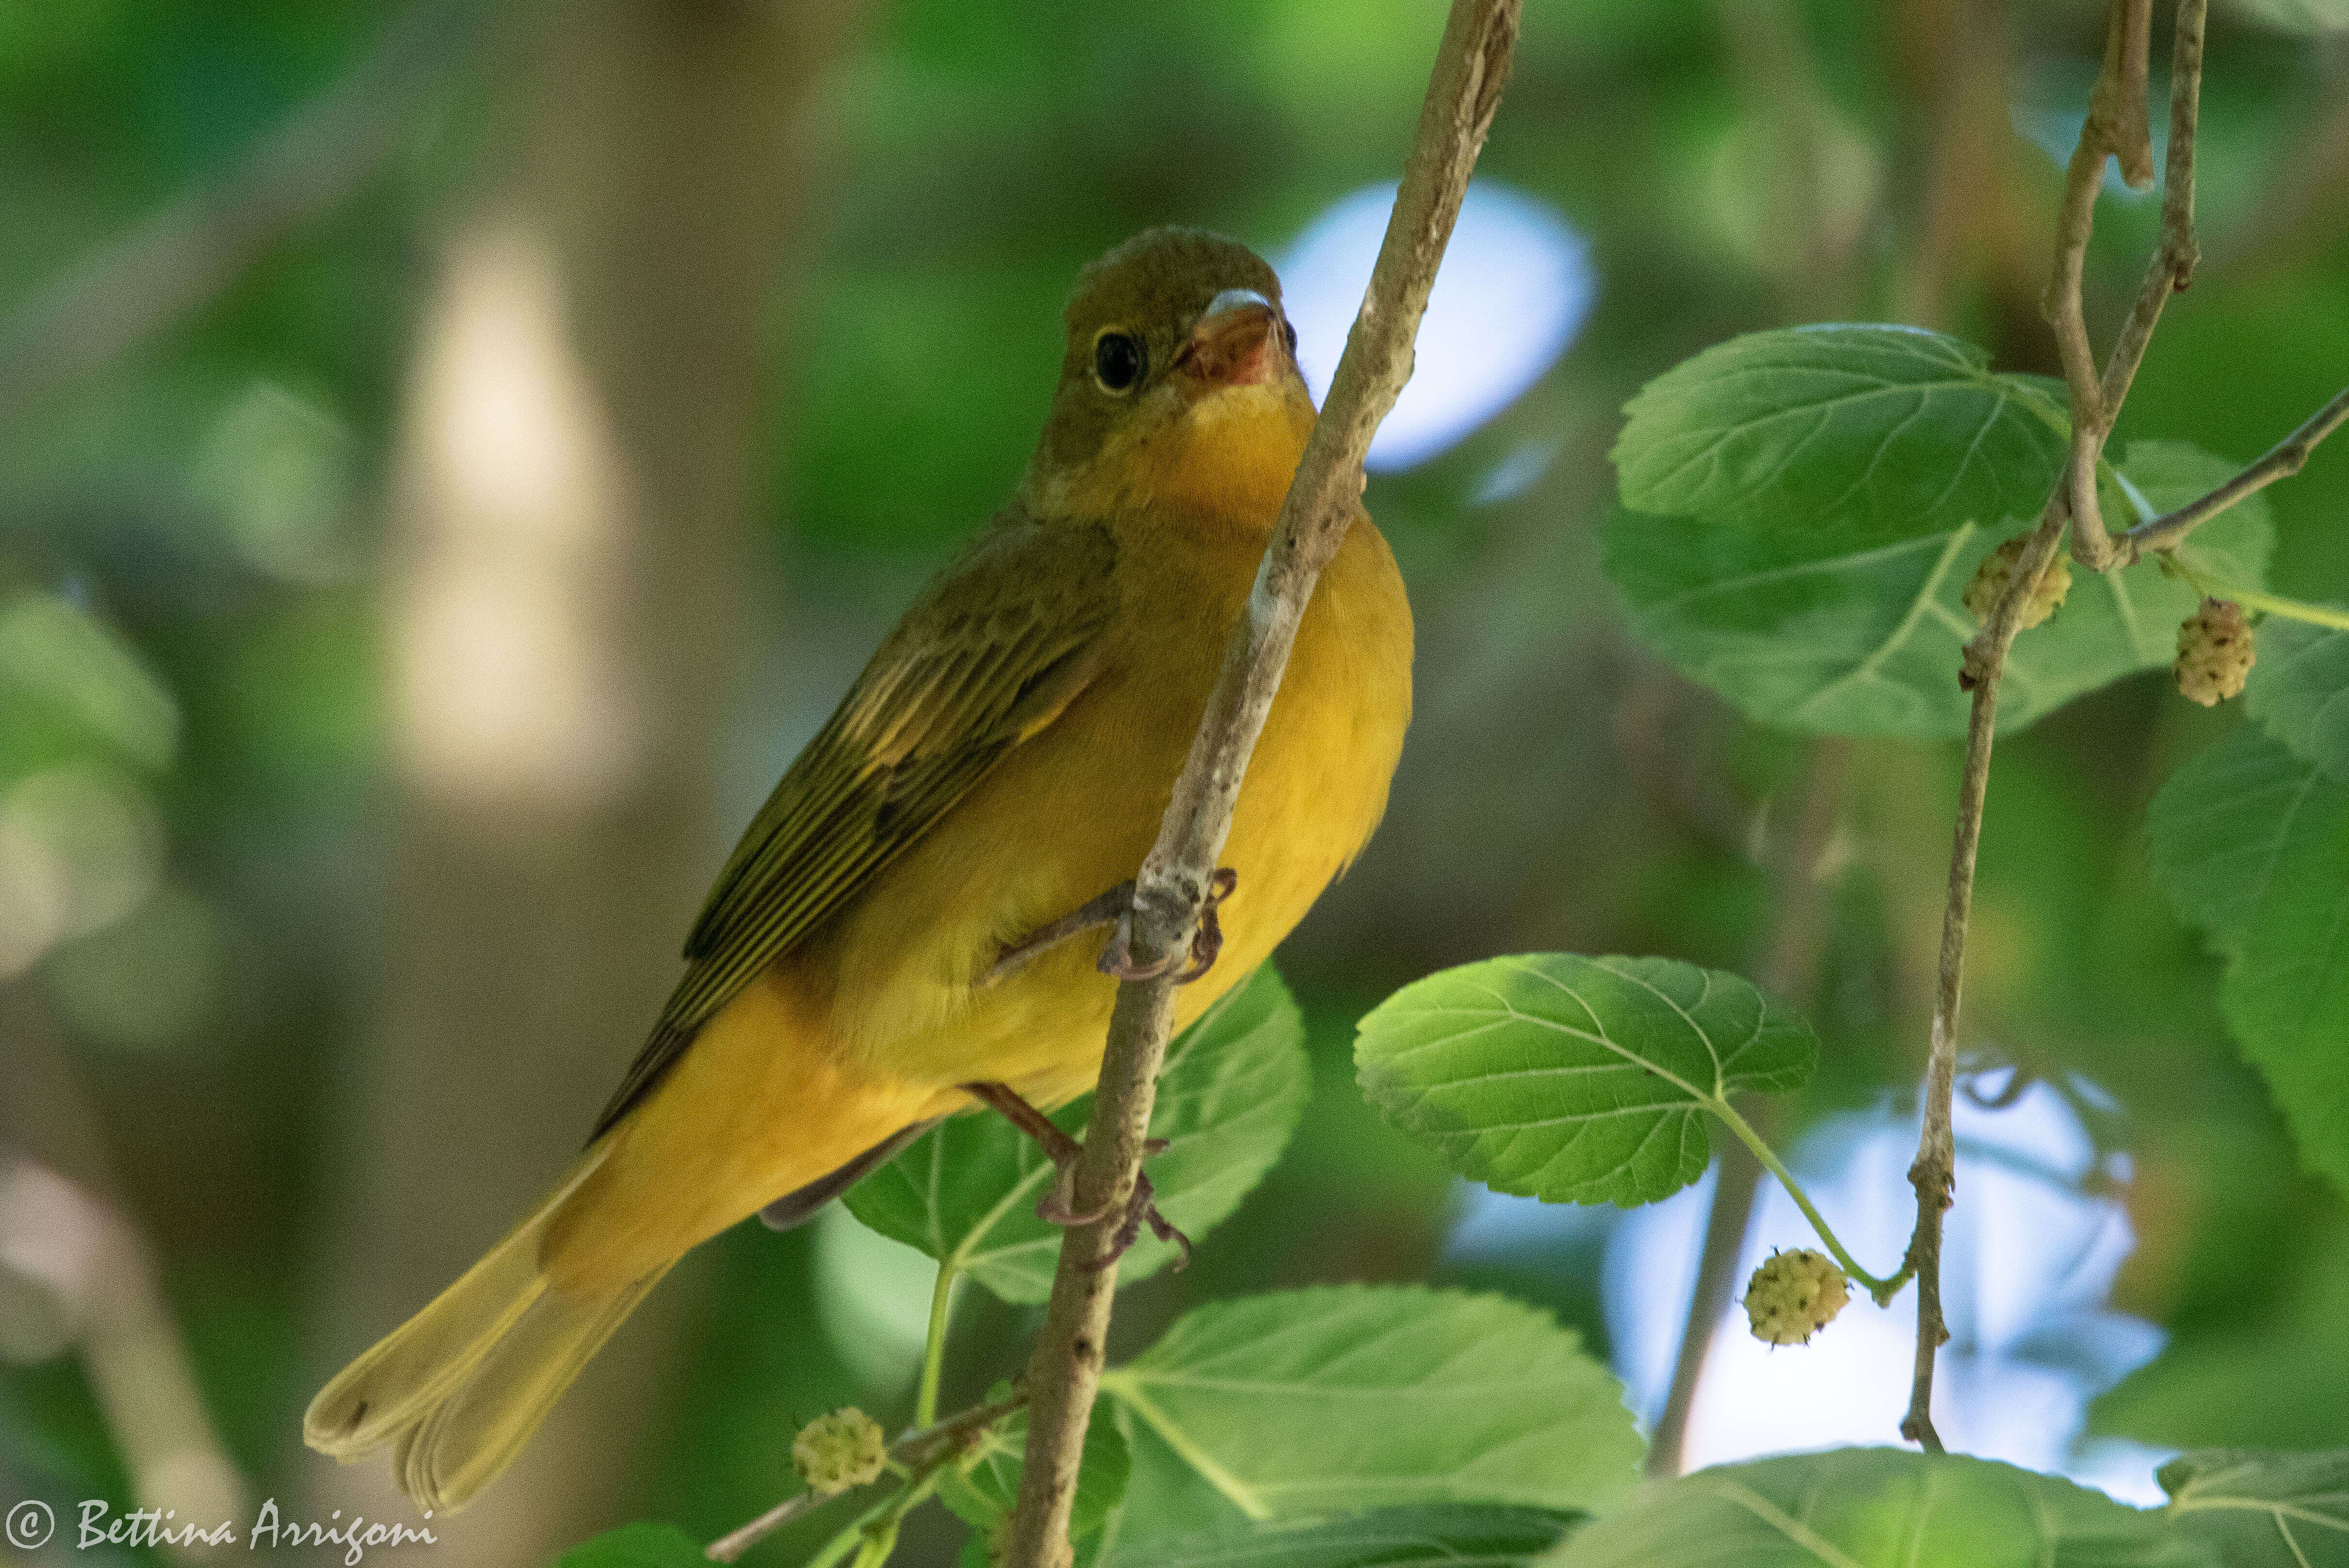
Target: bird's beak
[(1235, 342)]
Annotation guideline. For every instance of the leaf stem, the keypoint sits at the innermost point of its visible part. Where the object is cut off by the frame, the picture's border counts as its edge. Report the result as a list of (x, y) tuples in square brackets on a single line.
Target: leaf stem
[(934, 1349), (1880, 1289), (2211, 587)]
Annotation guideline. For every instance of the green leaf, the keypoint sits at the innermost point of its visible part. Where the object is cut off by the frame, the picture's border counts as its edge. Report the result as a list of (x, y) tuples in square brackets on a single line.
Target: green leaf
[(1899, 431), (1875, 1508), (984, 1489), (2259, 1509), (1429, 1535), (1236, 1083), (2252, 842), (1312, 1402), (640, 1545), (2298, 690), (1575, 1080), (1844, 630)]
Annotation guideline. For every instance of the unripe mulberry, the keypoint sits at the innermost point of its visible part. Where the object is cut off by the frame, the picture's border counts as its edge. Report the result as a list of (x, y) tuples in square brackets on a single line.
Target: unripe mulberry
[(2214, 652), (837, 1452), (1992, 576), (1794, 1295)]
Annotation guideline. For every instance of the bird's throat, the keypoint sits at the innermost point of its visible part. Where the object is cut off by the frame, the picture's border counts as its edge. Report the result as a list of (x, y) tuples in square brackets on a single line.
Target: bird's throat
[(1229, 456)]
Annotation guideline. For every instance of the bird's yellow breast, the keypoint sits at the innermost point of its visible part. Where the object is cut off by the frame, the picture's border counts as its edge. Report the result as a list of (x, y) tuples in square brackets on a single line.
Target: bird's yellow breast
[(1073, 812)]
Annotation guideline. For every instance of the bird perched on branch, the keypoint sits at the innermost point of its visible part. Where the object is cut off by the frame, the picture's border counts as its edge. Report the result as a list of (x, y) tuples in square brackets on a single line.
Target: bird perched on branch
[(898, 937)]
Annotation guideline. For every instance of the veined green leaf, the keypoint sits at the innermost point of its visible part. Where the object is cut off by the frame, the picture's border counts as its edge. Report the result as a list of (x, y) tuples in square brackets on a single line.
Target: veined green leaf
[(2257, 1510), (1235, 1082), (2298, 690), (2252, 842), (1576, 1080), (1850, 631), (1891, 431), (1875, 1508), (1311, 1403), (1431, 1535), (2221, 827)]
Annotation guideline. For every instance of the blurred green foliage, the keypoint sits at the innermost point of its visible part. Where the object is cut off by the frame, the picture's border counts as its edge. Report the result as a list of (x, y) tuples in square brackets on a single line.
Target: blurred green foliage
[(192, 554)]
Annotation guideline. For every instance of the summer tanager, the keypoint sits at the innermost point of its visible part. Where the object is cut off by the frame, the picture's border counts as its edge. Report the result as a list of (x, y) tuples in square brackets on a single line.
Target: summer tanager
[(1002, 761)]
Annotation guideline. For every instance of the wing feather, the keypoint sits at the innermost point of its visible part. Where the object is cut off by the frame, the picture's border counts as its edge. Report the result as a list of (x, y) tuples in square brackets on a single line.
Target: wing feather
[(992, 653)]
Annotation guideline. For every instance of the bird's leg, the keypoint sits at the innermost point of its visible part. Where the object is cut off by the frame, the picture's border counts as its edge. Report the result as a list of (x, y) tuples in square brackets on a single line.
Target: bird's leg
[(1056, 1206), (1057, 1145), (1102, 911), (1207, 942)]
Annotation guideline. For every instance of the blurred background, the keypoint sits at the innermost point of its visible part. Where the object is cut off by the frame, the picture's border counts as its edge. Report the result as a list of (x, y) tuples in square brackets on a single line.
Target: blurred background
[(452, 455)]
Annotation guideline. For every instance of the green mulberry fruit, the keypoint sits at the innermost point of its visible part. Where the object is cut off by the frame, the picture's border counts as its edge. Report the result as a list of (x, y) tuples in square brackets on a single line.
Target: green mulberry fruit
[(1991, 578), (837, 1452), (2214, 652), (1794, 1295)]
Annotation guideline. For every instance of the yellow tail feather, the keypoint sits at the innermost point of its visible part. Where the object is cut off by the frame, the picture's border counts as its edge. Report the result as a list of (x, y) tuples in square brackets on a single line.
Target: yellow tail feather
[(745, 1119), (461, 1386)]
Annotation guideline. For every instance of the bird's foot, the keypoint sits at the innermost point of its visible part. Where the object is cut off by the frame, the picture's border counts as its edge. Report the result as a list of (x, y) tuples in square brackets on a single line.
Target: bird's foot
[(1142, 1209), (1058, 1205), (1055, 1206), (1103, 911), (1207, 941)]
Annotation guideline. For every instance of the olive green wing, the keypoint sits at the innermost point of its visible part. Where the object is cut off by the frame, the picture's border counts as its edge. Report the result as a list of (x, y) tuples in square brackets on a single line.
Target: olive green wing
[(990, 655)]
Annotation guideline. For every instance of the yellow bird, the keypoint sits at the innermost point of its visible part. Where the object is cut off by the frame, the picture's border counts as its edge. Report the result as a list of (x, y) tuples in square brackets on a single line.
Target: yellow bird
[(873, 945)]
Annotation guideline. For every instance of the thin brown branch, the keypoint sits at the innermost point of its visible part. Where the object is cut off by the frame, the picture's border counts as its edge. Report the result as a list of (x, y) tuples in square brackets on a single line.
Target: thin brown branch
[(2174, 260), (2285, 459), (2066, 314), (733, 1543), (1934, 1174), (2128, 110), (191, 249), (1472, 66), (2116, 128), (919, 1453)]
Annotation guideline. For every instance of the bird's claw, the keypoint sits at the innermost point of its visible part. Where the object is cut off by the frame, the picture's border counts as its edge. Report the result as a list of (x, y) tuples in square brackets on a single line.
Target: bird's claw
[(1207, 941), (1057, 1207), (1140, 1208)]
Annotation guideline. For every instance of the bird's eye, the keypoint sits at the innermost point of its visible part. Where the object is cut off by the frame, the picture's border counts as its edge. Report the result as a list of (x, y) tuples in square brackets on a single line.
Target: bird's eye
[(1288, 335), (1118, 362)]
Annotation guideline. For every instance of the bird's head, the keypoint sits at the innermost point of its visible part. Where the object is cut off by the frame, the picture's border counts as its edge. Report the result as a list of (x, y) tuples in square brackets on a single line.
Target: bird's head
[(1179, 388)]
